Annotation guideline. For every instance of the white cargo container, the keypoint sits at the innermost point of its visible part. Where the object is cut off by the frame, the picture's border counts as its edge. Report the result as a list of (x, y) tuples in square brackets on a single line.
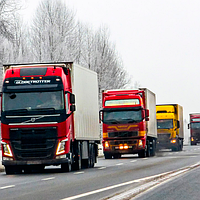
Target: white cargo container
[(86, 116), (150, 99)]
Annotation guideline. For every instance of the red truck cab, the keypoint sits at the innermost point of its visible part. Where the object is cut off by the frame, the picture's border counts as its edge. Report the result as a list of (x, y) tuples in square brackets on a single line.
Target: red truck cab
[(125, 116), (194, 126)]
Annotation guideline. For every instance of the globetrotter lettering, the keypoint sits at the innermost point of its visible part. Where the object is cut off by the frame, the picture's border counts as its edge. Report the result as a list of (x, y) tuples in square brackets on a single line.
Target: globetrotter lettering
[(21, 82)]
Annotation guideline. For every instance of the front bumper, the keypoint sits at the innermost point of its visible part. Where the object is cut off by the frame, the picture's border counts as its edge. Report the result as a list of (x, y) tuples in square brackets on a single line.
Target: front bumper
[(36, 162)]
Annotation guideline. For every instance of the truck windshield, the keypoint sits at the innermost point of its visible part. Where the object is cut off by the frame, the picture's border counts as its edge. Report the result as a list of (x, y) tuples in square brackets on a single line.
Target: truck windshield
[(122, 117), (32, 101), (195, 125), (164, 123)]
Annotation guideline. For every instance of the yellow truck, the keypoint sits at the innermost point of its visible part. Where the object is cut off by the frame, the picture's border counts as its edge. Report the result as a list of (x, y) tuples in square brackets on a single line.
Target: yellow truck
[(170, 127)]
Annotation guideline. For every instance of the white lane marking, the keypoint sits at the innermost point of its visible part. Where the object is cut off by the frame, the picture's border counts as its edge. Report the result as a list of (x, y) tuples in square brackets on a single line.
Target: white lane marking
[(101, 190), (6, 187), (120, 164), (133, 160), (79, 173), (144, 158), (169, 174), (47, 179), (102, 168)]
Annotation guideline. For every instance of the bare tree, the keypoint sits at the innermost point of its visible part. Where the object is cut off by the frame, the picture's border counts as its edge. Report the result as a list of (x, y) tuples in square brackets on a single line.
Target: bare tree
[(52, 31), (7, 7)]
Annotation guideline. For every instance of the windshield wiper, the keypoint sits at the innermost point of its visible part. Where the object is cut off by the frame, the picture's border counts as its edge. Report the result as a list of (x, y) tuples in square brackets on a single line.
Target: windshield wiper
[(18, 110), (111, 121), (45, 109)]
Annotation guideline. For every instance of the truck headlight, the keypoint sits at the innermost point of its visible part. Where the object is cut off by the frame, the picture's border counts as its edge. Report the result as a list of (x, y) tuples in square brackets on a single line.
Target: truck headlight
[(6, 149), (61, 147)]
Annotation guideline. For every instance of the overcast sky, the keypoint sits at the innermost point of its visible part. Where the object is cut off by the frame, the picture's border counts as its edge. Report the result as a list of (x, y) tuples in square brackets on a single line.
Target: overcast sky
[(158, 41)]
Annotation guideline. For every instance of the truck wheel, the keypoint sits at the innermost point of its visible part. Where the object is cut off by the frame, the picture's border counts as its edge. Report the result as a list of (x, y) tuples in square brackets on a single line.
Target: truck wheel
[(142, 154), (107, 155), (148, 149), (91, 156), (117, 156), (9, 170), (77, 163), (66, 167), (153, 148)]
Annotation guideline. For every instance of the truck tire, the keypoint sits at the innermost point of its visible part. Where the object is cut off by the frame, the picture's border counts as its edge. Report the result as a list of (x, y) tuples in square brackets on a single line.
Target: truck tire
[(77, 162), (66, 167), (153, 148), (148, 149), (142, 154), (91, 155), (116, 156), (10, 170), (108, 155)]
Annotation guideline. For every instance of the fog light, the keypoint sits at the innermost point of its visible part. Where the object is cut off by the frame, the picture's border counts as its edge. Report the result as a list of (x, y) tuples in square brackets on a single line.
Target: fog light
[(106, 145), (126, 147), (121, 147), (140, 143), (173, 141)]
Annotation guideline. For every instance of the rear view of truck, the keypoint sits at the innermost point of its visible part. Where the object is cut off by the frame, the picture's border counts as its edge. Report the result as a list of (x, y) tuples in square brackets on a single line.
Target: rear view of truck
[(194, 126), (129, 122), (170, 126)]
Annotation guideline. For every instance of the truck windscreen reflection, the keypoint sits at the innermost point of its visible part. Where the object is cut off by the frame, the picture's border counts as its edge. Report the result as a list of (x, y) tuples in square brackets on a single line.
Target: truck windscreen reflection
[(122, 117), (32, 101)]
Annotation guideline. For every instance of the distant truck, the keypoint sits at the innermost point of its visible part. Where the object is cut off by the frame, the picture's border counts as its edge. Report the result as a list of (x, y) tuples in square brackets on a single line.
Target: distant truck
[(194, 126), (49, 117), (170, 127), (129, 122)]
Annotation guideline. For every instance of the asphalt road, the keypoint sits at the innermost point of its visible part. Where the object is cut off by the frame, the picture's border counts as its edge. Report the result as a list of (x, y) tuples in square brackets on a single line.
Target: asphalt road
[(107, 178), (184, 187)]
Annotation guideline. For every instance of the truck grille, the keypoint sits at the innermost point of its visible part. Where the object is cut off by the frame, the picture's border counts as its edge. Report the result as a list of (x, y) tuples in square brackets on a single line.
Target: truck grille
[(123, 134), (34, 143), (164, 137)]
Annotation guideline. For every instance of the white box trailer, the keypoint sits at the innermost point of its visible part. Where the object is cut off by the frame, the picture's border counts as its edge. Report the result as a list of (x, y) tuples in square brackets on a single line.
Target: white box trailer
[(86, 116), (150, 99)]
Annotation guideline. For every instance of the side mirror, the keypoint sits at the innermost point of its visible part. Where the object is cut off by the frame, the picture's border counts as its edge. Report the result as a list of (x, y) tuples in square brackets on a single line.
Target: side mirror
[(146, 113), (72, 108), (72, 98), (100, 116), (188, 126), (178, 124)]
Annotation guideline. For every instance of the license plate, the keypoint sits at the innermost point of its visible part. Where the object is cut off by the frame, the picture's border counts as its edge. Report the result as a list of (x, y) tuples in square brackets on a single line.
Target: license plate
[(34, 162)]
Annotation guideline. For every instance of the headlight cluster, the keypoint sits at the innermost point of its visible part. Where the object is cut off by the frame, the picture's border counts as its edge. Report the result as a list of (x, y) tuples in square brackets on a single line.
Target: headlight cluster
[(61, 147), (6, 149)]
